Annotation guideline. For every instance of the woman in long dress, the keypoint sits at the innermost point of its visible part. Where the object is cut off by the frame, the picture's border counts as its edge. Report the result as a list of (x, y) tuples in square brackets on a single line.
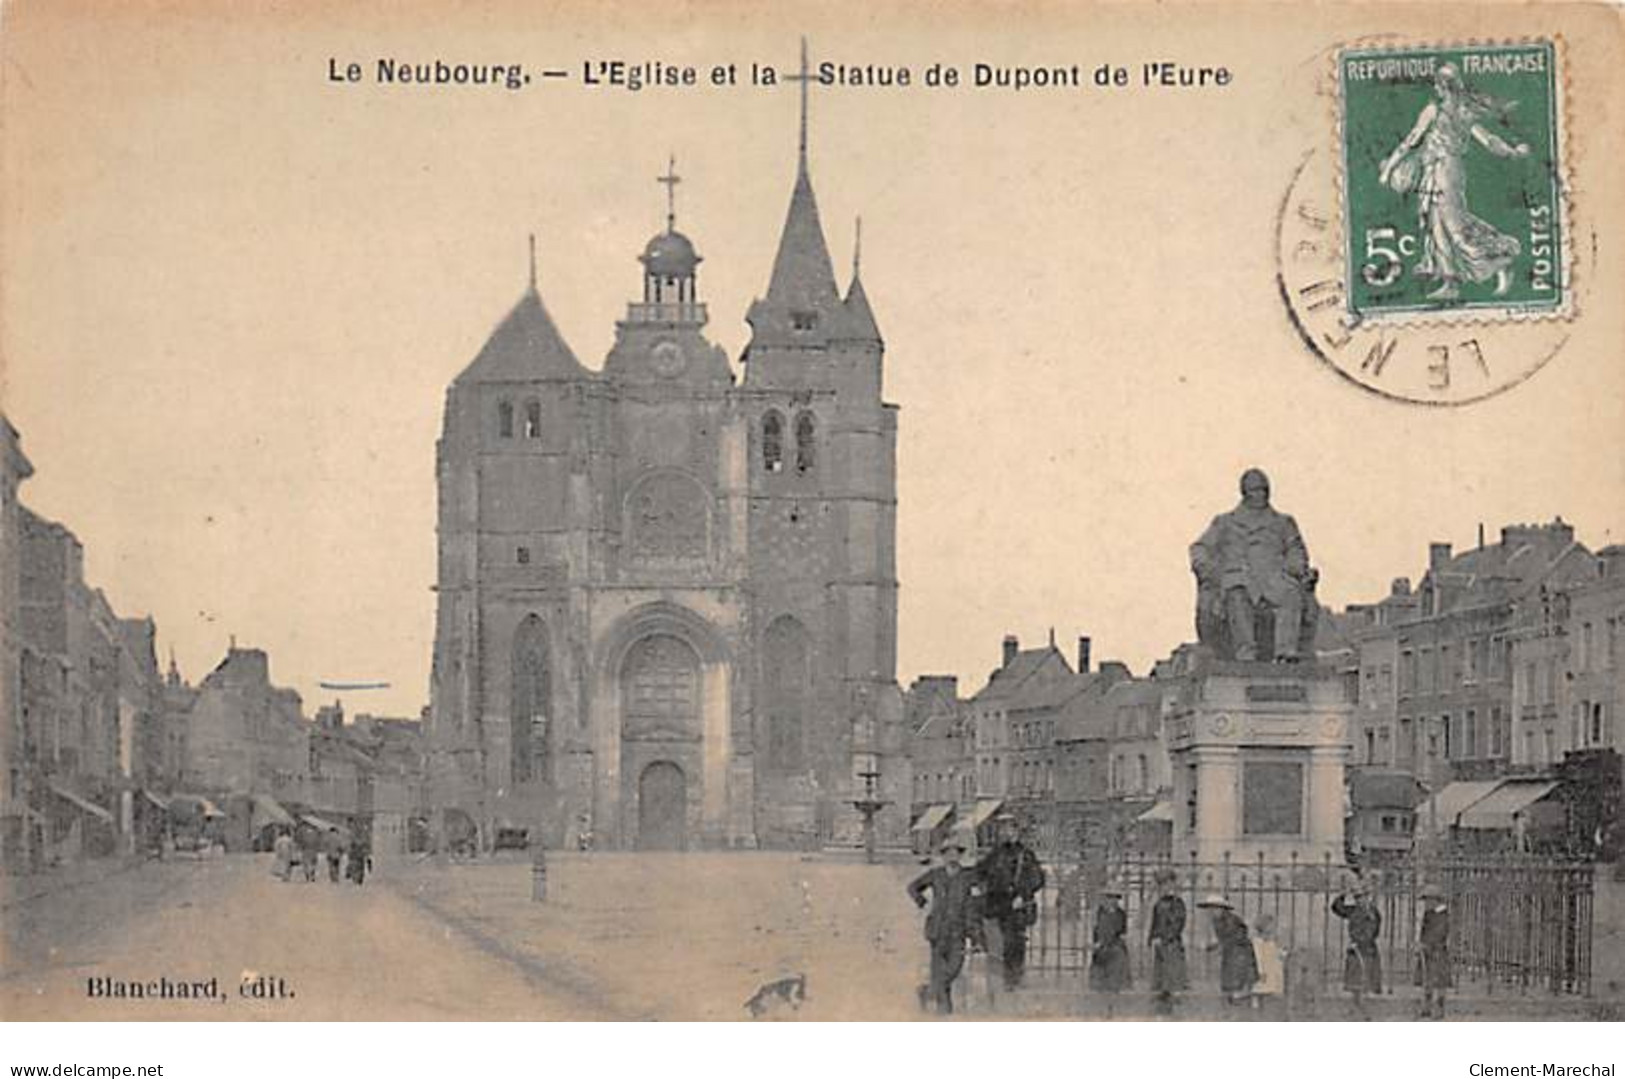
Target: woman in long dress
[(1457, 245)]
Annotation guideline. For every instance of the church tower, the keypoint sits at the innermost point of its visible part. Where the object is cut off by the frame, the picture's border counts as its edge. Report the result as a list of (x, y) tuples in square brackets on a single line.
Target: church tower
[(667, 600), (822, 540)]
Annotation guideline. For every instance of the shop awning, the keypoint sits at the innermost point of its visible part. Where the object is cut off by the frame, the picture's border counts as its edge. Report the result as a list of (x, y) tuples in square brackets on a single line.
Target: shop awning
[(321, 823), (985, 808), (932, 818), (270, 811), (83, 803), (1160, 811), (1439, 813), (1497, 811)]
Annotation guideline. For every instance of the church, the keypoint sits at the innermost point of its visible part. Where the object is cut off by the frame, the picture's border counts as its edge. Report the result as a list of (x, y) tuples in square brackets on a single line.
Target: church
[(667, 591)]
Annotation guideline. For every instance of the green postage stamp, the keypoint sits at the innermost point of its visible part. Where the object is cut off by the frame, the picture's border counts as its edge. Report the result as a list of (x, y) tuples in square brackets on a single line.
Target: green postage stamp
[(1452, 178)]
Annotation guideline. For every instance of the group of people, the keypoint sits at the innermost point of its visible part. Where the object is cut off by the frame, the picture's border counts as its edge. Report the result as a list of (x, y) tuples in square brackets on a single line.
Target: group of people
[(307, 847), (989, 907)]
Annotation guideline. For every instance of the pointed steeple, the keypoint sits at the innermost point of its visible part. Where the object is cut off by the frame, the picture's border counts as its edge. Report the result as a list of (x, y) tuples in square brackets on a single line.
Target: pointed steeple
[(857, 318), (801, 293), (525, 345)]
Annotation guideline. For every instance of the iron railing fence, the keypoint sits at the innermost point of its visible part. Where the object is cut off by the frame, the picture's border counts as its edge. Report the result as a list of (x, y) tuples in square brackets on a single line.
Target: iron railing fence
[(1518, 924)]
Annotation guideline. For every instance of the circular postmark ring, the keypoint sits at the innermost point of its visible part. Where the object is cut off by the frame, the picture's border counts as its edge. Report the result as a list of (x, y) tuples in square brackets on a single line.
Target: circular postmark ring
[(1435, 364)]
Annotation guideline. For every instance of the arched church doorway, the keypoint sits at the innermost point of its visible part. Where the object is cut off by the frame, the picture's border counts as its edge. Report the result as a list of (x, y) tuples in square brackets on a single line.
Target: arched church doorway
[(662, 807)]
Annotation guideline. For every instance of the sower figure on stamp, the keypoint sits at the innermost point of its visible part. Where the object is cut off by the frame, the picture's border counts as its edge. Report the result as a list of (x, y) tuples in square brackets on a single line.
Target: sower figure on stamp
[(1250, 562), (1429, 162), (1362, 964), (1011, 878), (954, 919), (1167, 940)]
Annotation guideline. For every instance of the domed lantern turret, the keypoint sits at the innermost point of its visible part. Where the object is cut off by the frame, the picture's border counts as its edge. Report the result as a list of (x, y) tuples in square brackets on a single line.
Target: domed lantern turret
[(670, 268)]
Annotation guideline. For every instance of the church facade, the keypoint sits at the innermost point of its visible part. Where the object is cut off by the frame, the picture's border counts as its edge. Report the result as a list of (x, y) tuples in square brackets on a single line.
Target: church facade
[(667, 593)]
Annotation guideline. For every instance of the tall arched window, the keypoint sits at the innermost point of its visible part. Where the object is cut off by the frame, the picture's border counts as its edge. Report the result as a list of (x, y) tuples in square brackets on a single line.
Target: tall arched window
[(806, 456), (533, 419), (661, 687), (772, 442), (505, 419), (532, 701), (786, 690)]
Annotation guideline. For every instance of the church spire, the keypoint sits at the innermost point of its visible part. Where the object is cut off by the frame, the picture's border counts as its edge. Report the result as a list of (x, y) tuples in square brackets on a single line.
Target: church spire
[(533, 262), (801, 293), (804, 78), (858, 318)]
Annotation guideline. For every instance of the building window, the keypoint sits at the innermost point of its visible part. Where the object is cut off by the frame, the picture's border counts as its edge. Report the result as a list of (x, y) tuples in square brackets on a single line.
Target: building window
[(805, 449), (1599, 730), (505, 419), (803, 320), (772, 442), (533, 419), (522, 556)]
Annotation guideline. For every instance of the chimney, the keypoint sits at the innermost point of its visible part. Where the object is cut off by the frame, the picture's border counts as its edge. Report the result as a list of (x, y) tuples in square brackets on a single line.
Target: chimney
[(1481, 535), (1401, 586), (1438, 555), (1012, 645), (1083, 655)]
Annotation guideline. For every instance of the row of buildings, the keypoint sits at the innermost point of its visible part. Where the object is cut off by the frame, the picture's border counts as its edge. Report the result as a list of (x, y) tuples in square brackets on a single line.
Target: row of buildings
[(102, 753), (1502, 670)]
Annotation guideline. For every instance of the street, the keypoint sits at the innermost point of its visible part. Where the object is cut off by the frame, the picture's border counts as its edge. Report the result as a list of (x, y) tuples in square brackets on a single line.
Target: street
[(344, 952), (621, 936)]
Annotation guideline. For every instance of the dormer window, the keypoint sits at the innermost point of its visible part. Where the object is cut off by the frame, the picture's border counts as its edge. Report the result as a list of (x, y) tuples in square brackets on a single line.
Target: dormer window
[(533, 419), (772, 442), (803, 320), (505, 419)]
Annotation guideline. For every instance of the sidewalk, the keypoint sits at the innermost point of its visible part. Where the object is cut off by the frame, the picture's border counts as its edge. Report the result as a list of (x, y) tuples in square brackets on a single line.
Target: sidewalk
[(29, 887), (692, 936)]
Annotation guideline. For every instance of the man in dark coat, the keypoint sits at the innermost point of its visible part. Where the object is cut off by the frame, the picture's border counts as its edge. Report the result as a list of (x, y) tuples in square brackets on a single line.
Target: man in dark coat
[(333, 847), (1167, 940), (1011, 878), (1238, 964), (310, 850), (1435, 941), (954, 919), (1362, 964)]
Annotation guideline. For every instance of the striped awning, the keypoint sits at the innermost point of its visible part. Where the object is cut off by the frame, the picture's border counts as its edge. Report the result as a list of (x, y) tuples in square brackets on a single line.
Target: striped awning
[(270, 811), (985, 808), (1499, 811), (932, 818), (1160, 811)]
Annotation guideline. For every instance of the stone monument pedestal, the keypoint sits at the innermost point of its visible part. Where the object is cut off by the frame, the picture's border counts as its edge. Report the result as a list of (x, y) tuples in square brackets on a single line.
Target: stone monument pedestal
[(1258, 753)]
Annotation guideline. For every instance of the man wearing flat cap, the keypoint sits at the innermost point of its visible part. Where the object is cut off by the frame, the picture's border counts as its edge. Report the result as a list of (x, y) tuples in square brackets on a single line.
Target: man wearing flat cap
[(953, 920)]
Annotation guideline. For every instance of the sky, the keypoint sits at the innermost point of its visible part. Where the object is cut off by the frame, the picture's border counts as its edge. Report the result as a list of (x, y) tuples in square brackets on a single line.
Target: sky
[(234, 292)]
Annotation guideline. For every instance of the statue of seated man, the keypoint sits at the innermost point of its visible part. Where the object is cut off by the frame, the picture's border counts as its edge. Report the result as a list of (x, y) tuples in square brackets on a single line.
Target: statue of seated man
[(1252, 560)]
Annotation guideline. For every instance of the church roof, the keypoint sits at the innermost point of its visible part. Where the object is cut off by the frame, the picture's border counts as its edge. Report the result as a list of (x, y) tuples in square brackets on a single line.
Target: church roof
[(671, 254), (525, 345), (857, 318), (803, 278)]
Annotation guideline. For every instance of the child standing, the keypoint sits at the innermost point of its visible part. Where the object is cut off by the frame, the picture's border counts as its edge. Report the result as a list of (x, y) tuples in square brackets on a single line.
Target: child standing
[(1270, 989)]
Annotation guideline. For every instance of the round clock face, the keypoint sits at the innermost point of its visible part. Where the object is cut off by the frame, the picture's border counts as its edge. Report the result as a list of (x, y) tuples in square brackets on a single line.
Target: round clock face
[(668, 359)]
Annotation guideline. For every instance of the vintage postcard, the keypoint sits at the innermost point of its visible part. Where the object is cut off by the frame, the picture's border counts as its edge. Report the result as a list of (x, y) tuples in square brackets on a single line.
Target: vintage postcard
[(752, 512)]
